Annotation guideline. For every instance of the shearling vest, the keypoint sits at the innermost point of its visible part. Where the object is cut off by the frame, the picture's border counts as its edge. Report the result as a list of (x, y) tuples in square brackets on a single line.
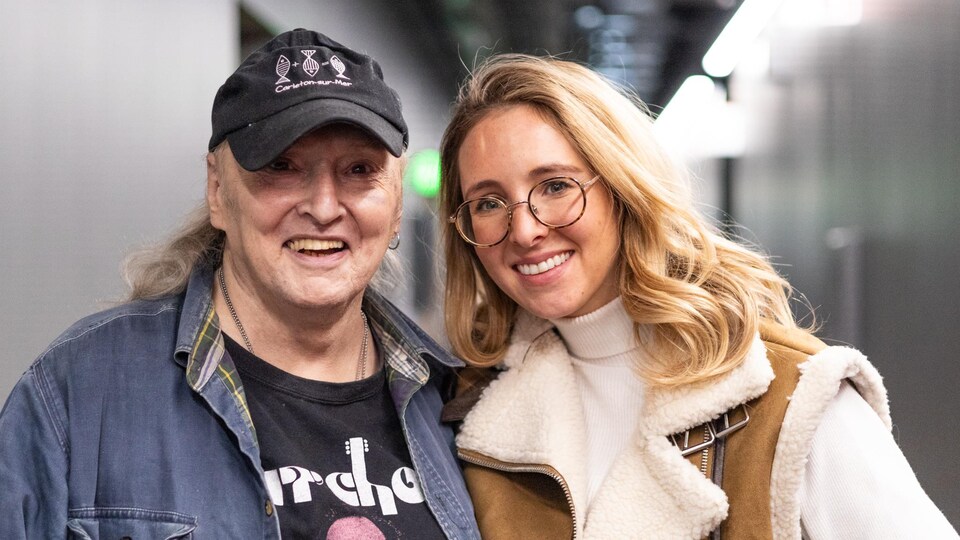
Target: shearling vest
[(522, 447)]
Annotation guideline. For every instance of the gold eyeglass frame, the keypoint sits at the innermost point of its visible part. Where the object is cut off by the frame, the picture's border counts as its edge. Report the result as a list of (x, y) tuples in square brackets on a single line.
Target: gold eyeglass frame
[(509, 208)]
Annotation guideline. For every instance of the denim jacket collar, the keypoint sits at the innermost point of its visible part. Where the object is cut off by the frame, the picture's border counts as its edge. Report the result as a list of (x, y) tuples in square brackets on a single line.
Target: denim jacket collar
[(200, 345)]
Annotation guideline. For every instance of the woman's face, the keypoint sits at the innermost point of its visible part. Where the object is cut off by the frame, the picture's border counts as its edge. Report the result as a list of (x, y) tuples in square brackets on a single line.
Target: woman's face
[(310, 229), (508, 152)]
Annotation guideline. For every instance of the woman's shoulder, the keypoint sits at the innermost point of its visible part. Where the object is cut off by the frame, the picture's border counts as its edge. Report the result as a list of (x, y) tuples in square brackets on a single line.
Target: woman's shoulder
[(797, 340), (470, 384)]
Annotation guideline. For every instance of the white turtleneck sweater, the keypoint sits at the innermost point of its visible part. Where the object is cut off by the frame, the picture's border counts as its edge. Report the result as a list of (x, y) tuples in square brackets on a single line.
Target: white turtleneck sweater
[(604, 353), (857, 482)]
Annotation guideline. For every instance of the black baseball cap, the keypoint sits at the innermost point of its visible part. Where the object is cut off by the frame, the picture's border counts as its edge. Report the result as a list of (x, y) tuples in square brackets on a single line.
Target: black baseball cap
[(297, 82)]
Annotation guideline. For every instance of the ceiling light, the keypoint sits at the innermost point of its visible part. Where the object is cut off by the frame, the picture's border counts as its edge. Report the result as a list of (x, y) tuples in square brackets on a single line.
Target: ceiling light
[(744, 27)]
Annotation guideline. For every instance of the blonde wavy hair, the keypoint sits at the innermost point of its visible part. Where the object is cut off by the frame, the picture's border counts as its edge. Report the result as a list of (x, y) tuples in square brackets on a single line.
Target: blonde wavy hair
[(700, 296)]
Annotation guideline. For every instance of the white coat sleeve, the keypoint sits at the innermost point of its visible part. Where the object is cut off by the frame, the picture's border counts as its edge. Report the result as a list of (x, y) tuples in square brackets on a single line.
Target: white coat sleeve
[(857, 483)]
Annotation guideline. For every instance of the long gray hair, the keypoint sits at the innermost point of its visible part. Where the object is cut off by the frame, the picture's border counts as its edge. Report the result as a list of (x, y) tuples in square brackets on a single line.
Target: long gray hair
[(164, 269)]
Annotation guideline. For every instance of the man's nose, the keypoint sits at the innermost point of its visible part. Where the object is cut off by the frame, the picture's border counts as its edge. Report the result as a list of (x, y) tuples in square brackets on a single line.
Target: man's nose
[(321, 198)]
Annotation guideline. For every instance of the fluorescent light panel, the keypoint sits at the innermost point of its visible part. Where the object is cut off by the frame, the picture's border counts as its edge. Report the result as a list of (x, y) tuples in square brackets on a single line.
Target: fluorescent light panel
[(744, 27)]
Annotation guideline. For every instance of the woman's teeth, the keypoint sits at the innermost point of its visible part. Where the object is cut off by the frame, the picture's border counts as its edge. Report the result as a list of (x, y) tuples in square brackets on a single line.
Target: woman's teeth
[(539, 268), (310, 245)]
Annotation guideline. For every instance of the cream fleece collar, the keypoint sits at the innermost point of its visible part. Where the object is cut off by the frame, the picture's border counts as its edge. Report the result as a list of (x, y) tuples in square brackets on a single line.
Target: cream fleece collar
[(532, 414), (666, 410)]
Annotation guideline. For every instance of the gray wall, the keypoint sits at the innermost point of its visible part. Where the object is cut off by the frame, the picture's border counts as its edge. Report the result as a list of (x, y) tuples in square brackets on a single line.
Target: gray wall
[(104, 121), (857, 128), (104, 115)]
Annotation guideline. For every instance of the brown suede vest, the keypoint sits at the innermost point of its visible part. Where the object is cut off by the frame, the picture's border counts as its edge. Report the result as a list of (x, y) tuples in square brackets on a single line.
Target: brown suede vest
[(514, 501), (749, 453)]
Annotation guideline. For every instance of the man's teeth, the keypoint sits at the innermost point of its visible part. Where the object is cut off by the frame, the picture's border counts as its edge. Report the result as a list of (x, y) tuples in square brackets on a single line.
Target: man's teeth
[(314, 245), (539, 268)]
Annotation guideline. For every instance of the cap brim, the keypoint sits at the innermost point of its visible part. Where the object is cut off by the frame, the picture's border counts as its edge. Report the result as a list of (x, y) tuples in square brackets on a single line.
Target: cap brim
[(257, 144)]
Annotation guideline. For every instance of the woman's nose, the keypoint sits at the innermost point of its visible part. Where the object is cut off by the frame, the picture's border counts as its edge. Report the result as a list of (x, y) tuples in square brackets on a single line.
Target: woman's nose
[(525, 229)]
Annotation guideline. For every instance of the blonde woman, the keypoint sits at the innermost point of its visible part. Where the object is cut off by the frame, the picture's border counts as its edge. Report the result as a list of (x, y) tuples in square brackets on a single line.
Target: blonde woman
[(638, 375)]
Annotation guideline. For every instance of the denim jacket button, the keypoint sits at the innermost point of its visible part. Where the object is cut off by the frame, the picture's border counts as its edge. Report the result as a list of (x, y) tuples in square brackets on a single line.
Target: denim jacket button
[(268, 507)]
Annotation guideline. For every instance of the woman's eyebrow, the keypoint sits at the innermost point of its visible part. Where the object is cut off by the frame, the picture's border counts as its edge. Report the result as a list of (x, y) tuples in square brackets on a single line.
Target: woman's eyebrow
[(555, 168), (481, 185), (535, 173)]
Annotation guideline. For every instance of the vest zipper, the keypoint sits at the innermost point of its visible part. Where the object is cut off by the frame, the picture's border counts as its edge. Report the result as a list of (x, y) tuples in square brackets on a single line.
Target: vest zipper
[(705, 453), (490, 463)]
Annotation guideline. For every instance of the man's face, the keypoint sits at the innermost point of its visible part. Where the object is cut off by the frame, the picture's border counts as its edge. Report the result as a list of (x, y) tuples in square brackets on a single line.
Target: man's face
[(309, 230)]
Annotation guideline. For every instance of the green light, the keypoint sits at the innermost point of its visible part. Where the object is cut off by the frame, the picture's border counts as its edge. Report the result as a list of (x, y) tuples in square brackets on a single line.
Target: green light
[(423, 173)]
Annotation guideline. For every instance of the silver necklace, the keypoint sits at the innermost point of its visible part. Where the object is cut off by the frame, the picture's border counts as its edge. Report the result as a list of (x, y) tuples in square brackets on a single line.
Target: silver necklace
[(361, 362), (233, 312)]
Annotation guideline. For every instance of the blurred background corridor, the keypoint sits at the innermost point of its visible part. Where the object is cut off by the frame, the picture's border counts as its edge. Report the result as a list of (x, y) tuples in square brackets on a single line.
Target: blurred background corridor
[(826, 131)]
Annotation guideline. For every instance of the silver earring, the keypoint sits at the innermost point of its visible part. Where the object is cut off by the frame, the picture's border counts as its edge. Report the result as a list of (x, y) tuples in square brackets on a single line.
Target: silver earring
[(395, 241)]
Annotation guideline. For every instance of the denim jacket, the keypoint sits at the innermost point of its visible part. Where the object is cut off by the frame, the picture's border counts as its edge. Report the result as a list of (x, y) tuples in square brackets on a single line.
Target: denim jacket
[(133, 423)]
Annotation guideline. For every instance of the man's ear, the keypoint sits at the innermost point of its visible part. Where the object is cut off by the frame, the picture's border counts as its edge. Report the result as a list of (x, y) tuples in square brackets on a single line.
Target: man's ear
[(399, 218), (215, 190)]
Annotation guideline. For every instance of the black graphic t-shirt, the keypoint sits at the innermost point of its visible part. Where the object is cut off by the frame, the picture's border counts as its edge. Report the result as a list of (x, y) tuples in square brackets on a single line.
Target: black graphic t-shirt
[(334, 457)]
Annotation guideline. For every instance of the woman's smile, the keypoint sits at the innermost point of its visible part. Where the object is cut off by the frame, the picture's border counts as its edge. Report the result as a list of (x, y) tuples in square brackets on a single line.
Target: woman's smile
[(547, 264)]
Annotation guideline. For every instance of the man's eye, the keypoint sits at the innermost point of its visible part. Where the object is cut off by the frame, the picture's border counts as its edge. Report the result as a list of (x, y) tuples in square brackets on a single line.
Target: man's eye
[(360, 168), (279, 165)]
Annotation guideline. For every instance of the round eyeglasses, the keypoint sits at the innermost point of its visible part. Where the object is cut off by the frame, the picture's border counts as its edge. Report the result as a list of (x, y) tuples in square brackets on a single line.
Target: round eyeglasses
[(556, 203)]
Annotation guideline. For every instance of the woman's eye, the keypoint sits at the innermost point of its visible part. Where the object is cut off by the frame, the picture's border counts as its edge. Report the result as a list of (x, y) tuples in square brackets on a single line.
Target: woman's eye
[(486, 205), (556, 187)]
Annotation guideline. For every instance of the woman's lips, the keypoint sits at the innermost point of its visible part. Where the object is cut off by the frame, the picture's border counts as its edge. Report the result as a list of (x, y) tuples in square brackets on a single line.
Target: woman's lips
[(543, 266)]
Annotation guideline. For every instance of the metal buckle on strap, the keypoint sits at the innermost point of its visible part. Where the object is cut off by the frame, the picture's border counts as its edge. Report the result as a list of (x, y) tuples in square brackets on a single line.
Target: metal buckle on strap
[(686, 448), (715, 429), (722, 426)]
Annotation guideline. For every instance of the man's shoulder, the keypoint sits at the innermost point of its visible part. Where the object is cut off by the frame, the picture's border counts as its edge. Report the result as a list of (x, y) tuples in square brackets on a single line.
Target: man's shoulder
[(122, 318), (123, 324), (104, 351)]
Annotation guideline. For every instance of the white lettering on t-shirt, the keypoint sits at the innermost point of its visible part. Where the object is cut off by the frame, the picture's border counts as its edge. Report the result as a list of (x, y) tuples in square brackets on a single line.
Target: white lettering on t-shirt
[(353, 488)]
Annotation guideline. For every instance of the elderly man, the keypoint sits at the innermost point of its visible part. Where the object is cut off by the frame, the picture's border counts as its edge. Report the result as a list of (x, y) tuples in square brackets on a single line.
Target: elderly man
[(254, 385)]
